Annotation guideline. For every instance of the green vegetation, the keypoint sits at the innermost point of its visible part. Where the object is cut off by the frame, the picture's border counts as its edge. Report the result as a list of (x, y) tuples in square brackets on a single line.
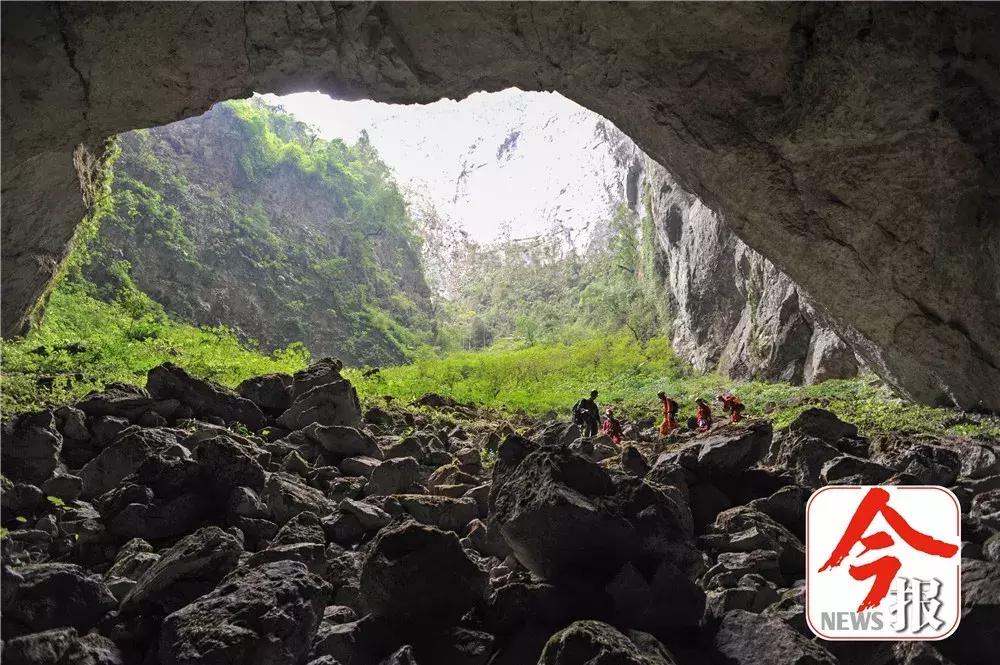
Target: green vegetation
[(540, 290), (85, 343), (300, 238), (547, 378)]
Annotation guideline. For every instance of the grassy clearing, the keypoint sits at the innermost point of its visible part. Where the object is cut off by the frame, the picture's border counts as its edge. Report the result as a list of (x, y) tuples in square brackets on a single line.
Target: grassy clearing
[(84, 344), (546, 379)]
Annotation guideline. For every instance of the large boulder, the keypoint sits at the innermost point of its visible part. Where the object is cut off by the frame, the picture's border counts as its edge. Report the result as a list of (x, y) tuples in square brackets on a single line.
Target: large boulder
[(557, 511), (205, 398), (286, 497), (266, 615), (61, 646), (755, 639), (125, 401), (54, 595), (189, 569), (418, 578), (597, 643), (271, 392), (124, 456), (925, 459), (31, 445), (226, 465), (334, 403), (339, 441), (822, 424), (393, 476)]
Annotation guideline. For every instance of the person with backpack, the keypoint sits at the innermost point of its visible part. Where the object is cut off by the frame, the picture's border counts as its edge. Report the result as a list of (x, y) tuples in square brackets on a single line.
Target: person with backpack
[(732, 405), (703, 414), (612, 426), (587, 415), (670, 409)]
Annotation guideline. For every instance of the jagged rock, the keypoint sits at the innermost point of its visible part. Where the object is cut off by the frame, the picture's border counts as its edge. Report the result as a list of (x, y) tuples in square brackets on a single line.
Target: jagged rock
[(53, 595), (724, 455), (189, 569), (790, 607), (106, 429), (821, 424), (980, 460), (978, 636), (321, 372), (418, 578), (359, 467), (802, 456), (851, 470), (633, 462), (393, 476), (458, 646), (244, 502), (376, 415), (345, 529), (30, 451), (205, 398), (265, 615), (732, 566), (226, 465), (743, 529), (72, 423), (663, 602), (748, 638), (286, 498), (156, 520), (300, 539), (272, 393), (596, 642), (62, 646), (450, 475), (360, 642), (556, 510), (443, 512), (124, 456), (991, 548), (986, 507), (667, 472), (339, 441), (294, 464), (706, 501), (371, 518), (408, 446), (931, 464), (787, 507), (133, 559), (332, 403), (122, 401), (65, 486)]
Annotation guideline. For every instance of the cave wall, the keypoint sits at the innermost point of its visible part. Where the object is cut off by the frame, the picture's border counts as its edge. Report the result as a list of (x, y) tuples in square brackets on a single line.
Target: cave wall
[(856, 146)]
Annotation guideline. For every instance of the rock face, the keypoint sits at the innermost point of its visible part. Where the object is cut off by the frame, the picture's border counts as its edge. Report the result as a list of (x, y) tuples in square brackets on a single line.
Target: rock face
[(731, 309), (809, 136)]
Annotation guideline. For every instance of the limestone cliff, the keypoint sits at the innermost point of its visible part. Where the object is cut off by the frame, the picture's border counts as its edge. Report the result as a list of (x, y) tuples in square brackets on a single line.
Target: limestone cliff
[(730, 308), (241, 217)]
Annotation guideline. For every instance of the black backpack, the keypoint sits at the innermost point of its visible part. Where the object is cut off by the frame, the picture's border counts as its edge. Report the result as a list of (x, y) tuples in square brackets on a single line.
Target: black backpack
[(580, 413), (674, 406)]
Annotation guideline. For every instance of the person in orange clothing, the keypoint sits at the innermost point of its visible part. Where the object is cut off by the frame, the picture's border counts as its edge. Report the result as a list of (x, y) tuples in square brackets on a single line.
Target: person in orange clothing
[(732, 405), (670, 408), (612, 426), (703, 414)]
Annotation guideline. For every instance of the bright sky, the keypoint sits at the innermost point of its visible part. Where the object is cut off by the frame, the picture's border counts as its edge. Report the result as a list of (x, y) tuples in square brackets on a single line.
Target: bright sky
[(527, 160)]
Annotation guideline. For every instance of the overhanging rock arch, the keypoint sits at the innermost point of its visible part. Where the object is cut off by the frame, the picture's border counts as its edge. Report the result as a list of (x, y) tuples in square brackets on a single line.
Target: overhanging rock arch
[(856, 146)]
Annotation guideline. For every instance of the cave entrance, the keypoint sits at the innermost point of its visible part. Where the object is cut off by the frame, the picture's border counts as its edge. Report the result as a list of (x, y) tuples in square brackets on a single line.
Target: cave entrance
[(816, 131)]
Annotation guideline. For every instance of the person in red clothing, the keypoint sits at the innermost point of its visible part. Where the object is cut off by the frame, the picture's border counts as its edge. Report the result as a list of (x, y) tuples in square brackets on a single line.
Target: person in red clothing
[(703, 414), (612, 426), (670, 408), (732, 405)]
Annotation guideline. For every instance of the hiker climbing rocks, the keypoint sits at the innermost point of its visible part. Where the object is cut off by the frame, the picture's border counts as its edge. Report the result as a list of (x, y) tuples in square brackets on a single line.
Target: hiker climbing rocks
[(670, 409), (703, 415), (732, 405), (612, 426), (587, 415)]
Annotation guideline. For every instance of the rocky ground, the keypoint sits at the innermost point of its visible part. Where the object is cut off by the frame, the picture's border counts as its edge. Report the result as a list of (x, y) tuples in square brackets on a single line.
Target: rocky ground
[(281, 524)]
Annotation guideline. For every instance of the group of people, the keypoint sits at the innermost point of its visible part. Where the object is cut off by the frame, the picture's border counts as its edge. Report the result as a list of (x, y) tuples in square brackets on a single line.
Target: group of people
[(586, 414)]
